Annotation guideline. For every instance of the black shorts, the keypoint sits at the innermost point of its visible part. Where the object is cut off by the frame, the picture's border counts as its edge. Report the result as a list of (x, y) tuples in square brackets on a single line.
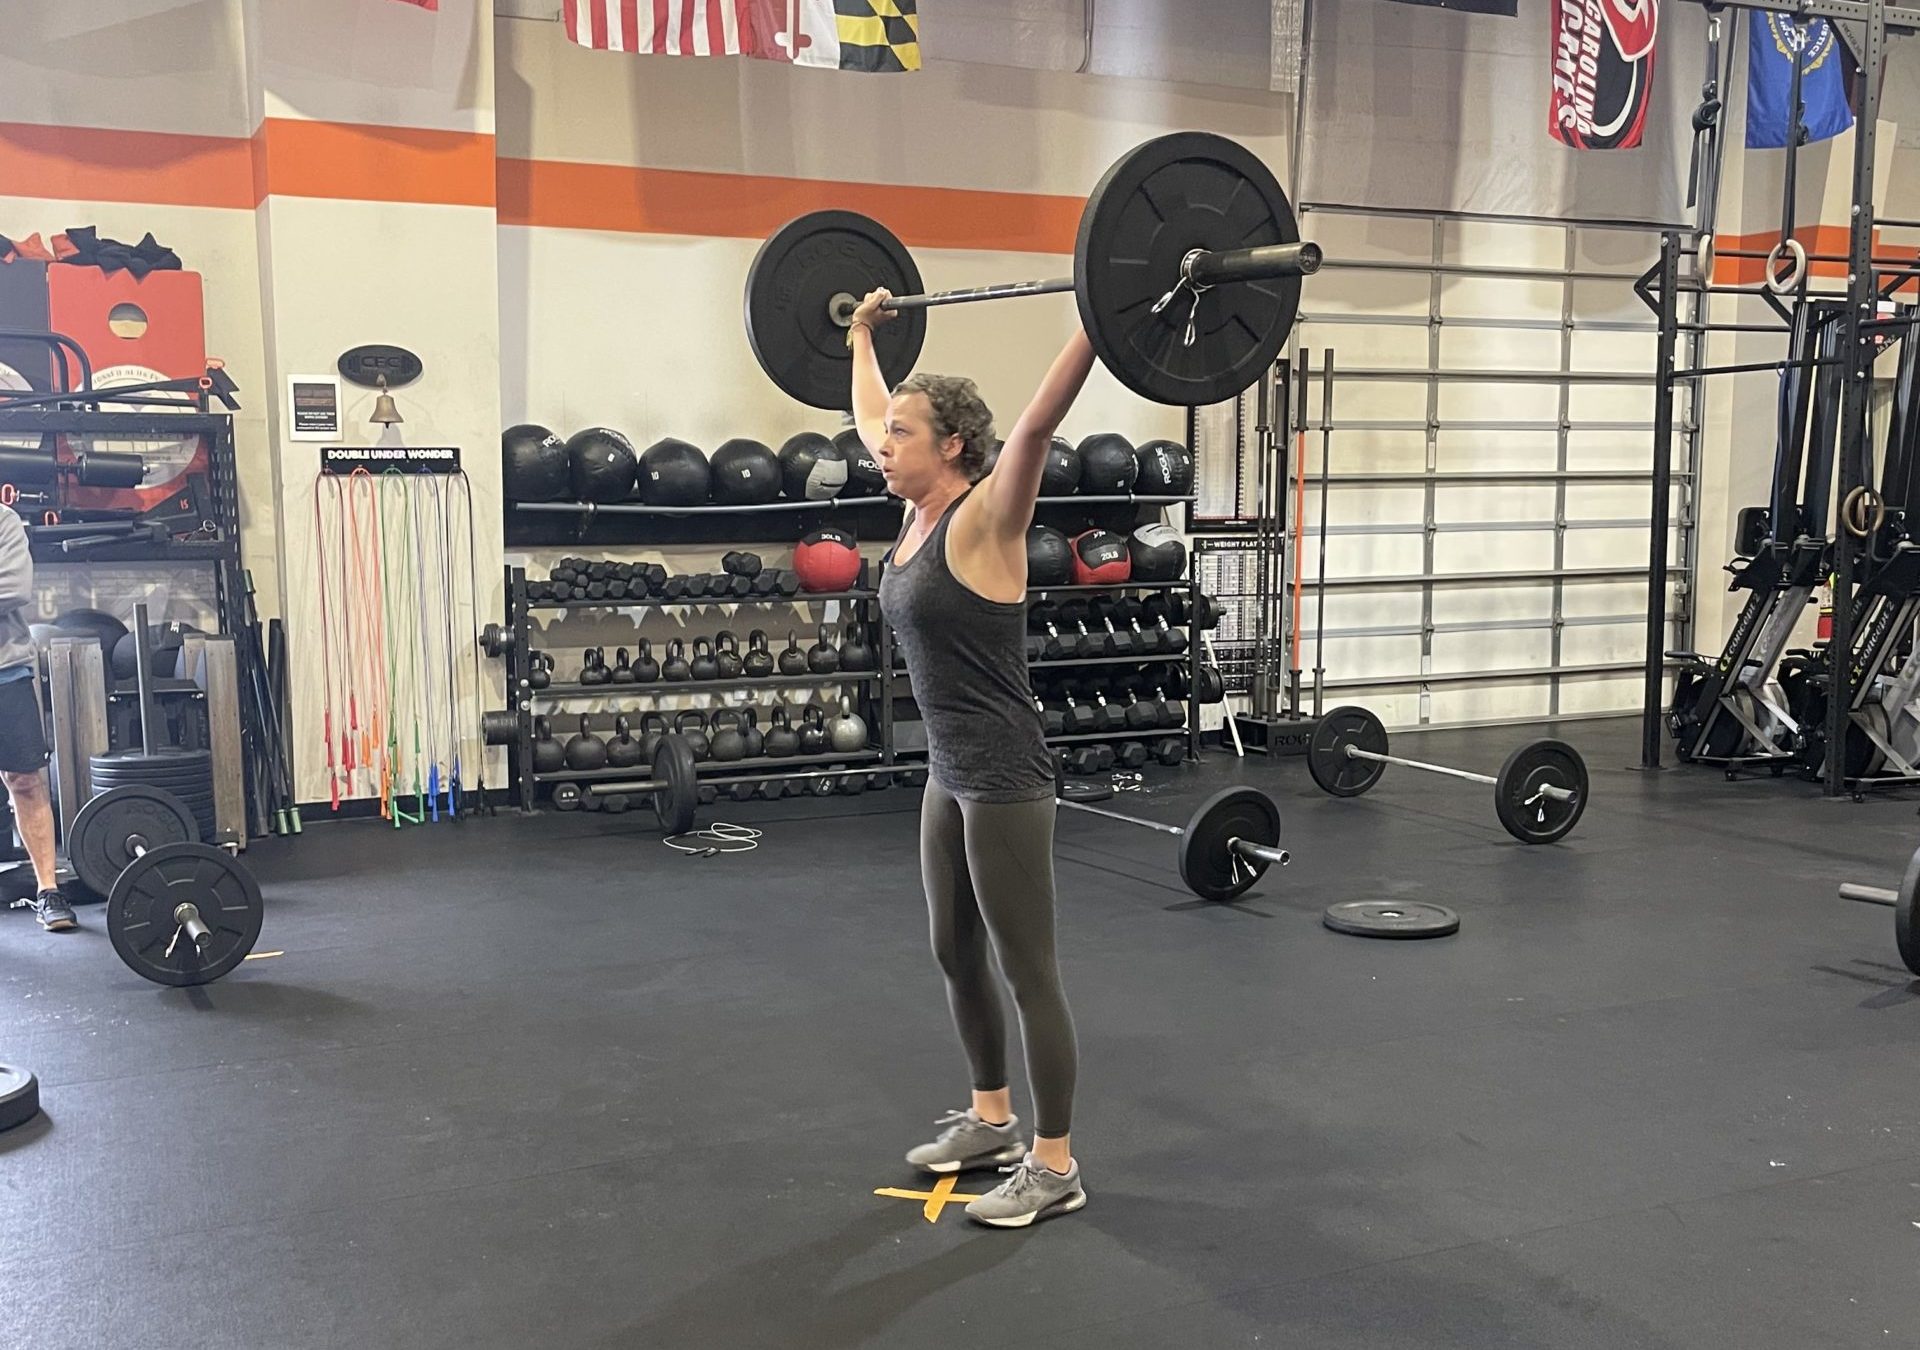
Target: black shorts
[(23, 734)]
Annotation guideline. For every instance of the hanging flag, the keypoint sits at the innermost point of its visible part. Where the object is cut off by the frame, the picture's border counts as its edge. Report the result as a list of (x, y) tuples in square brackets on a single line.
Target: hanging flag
[(1773, 42), (1602, 53), (869, 35), (424, 4)]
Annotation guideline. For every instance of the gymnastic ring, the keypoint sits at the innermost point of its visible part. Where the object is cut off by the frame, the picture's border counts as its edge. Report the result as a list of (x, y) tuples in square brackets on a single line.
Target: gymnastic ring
[(1703, 258), (1789, 280), (1863, 512)]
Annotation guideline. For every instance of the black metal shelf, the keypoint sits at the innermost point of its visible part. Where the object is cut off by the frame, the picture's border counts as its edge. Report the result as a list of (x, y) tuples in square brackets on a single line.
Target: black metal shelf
[(1157, 658), (655, 687), (1180, 585), (643, 509), (1124, 734), (659, 602), (707, 766)]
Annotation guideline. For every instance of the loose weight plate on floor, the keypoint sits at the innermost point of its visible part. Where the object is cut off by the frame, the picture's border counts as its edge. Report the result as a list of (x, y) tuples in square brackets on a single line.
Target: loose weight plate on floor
[(1906, 924), (108, 829), (1333, 769), (791, 288), (1391, 919), (1533, 766), (1211, 869), (142, 913), (19, 1097), (1159, 202)]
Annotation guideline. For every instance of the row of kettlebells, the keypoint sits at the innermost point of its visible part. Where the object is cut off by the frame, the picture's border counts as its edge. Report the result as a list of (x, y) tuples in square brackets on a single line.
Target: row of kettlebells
[(718, 658), (724, 734)]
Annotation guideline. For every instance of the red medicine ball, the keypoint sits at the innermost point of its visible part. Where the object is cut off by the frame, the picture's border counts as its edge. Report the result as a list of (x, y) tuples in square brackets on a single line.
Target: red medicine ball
[(829, 560), (1101, 558)]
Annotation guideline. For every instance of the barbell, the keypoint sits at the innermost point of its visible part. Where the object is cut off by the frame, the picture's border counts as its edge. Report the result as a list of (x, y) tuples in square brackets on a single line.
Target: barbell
[(1226, 845), (1187, 270), (1538, 794), (139, 846), (1904, 902)]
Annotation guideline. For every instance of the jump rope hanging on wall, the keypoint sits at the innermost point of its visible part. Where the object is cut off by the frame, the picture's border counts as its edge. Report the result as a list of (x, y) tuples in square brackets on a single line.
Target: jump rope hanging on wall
[(400, 705)]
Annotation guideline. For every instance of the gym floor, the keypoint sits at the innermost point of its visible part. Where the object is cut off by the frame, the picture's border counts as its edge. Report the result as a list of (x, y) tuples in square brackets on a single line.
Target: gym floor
[(543, 1082)]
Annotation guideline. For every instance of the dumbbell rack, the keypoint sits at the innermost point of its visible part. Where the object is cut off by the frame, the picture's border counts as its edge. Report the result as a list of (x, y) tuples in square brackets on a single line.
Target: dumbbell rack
[(523, 699)]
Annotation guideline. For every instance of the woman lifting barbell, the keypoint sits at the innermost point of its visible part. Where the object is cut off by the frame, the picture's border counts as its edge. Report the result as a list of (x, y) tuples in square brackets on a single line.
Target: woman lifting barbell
[(955, 590)]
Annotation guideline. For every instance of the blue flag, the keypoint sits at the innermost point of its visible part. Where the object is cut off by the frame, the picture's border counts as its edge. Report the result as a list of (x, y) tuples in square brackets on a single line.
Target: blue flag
[(1773, 42)]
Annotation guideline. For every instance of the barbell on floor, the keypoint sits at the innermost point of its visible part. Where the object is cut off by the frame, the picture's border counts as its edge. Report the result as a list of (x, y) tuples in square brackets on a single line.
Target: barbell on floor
[(1227, 843), (1187, 270), (1903, 902), (139, 846), (1538, 794)]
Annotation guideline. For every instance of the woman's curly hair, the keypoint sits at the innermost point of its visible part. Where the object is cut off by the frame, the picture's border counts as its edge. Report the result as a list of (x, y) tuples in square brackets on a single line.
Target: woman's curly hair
[(958, 410)]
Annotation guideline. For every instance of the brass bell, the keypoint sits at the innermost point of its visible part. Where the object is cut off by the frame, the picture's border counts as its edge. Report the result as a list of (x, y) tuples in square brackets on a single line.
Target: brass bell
[(385, 411)]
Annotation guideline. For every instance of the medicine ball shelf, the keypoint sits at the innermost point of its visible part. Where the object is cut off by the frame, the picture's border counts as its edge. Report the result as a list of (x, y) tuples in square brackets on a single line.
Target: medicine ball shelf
[(634, 689), (642, 509)]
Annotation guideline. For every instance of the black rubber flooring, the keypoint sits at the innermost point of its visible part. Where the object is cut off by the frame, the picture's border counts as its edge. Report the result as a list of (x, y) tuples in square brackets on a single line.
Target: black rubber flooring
[(544, 1083)]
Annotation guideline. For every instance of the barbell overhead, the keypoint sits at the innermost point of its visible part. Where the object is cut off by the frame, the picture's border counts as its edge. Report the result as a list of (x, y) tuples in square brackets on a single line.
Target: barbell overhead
[(1538, 795), (1227, 844), (1187, 270)]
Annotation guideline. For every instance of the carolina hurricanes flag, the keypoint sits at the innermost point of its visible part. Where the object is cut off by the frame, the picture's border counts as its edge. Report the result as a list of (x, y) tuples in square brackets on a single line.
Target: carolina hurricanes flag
[(424, 4), (869, 35), (1602, 72)]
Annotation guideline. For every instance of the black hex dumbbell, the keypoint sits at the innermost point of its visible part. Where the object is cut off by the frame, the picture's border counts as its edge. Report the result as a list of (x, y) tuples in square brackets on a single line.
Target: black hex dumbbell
[(1111, 638), (1076, 625), (1170, 750), (1131, 754)]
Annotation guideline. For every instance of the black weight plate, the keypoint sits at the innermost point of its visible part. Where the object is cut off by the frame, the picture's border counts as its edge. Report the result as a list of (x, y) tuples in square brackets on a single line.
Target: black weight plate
[(1160, 201), (1528, 769), (161, 760), (1906, 923), (101, 843), (1391, 919), (141, 913), (676, 786), (1332, 768), (567, 796), (793, 281), (1213, 871), (19, 1097)]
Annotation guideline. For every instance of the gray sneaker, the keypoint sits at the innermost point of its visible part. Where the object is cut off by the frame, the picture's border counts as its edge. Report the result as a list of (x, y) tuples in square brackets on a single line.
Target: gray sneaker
[(1033, 1191), (969, 1141), (52, 910)]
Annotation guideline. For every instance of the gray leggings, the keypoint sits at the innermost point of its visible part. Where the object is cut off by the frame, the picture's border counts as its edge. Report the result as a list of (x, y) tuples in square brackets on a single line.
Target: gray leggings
[(988, 870)]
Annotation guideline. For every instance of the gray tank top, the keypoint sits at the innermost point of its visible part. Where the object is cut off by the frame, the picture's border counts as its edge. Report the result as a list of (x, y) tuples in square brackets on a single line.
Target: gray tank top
[(967, 660)]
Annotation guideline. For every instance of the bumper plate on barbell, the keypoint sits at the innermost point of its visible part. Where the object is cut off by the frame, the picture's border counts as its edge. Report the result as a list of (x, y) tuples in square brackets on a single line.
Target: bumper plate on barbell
[(1391, 919), (141, 907), (100, 844), (676, 784), (791, 287), (1533, 766), (1159, 202), (1906, 923), (19, 1097), (1333, 769), (1211, 869)]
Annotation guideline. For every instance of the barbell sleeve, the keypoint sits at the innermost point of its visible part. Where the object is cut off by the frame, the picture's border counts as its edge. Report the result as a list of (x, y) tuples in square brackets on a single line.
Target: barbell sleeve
[(1870, 895), (1246, 848), (1253, 264), (187, 915)]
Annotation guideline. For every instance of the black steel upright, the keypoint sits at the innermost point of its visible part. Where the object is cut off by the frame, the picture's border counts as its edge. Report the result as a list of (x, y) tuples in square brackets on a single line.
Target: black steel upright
[(1656, 669), (1856, 347)]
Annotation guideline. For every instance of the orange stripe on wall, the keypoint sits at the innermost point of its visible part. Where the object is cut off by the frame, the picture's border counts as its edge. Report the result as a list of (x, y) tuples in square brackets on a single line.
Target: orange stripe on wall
[(377, 164), (95, 164), (1828, 241), (565, 195)]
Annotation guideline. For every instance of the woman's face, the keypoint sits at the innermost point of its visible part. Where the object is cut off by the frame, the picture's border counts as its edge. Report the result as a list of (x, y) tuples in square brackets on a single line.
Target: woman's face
[(913, 457)]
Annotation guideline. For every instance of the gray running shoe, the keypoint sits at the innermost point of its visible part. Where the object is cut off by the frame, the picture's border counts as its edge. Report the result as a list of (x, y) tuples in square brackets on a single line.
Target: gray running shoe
[(1031, 1192), (52, 910), (969, 1141)]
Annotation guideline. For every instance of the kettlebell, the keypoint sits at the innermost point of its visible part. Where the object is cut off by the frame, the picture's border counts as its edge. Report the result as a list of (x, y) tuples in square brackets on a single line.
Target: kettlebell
[(694, 727), (539, 670), (813, 732), (759, 660), (726, 655), (586, 750), (756, 743), (704, 666), (822, 659), (782, 740), (729, 742), (549, 756), (646, 670), (855, 654), (623, 751), (622, 672), (652, 727), (595, 670), (675, 669), (793, 661), (847, 732)]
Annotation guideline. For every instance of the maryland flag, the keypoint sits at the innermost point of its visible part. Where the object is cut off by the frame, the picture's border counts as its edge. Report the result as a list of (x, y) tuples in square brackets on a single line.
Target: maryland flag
[(870, 35)]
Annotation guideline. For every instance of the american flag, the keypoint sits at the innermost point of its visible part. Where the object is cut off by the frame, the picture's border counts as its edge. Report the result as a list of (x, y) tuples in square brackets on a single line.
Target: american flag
[(844, 34)]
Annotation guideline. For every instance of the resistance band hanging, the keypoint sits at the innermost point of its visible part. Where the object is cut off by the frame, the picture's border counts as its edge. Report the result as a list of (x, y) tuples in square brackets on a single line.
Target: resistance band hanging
[(323, 488), (398, 596), (473, 647)]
